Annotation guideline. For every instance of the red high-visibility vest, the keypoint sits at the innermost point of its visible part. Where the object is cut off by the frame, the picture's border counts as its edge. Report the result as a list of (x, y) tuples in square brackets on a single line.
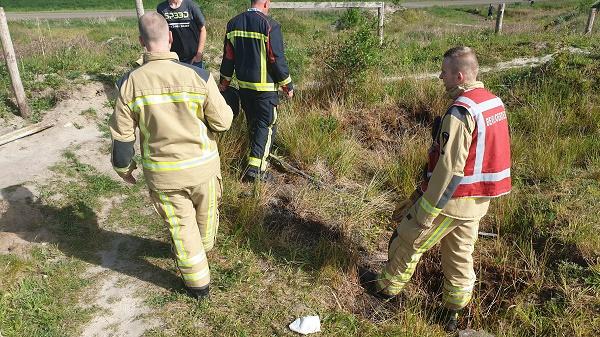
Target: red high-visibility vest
[(487, 169)]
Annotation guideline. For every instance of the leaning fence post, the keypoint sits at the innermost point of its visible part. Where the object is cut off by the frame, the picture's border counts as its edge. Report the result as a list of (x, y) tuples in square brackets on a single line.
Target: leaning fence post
[(13, 68), (590, 23), (139, 7), (381, 15), (500, 18)]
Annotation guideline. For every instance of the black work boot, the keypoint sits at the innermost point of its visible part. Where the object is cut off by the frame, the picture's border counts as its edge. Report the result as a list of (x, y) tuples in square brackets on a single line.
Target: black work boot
[(199, 293), (252, 174), (368, 280), (451, 320)]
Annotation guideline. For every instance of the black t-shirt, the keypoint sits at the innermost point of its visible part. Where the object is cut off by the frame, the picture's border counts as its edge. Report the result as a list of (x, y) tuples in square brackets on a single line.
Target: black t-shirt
[(185, 23)]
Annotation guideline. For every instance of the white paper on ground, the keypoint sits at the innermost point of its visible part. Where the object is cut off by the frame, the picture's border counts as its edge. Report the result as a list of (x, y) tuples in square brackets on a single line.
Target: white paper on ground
[(306, 325)]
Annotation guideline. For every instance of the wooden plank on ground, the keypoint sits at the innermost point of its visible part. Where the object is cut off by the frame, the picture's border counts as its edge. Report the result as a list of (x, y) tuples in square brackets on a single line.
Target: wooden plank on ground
[(24, 132)]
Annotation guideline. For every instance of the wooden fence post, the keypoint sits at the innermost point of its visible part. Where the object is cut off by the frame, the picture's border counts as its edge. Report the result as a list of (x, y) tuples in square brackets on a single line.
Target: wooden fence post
[(13, 68), (500, 18), (139, 7), (590, 23), (381, 15)]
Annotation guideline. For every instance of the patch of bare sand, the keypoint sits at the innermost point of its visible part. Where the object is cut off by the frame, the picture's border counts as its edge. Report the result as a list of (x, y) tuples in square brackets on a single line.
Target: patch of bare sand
[(21, 224), (122, 311), (28, 159), (116, 291)]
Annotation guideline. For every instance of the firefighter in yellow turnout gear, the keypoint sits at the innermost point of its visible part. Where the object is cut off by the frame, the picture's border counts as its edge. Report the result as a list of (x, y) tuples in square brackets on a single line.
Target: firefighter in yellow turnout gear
[(178, 109), (469, 164)]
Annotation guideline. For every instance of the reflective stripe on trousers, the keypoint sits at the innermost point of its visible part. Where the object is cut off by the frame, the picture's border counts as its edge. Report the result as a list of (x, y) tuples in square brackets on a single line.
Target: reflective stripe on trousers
[(457, 239), (192, 217)]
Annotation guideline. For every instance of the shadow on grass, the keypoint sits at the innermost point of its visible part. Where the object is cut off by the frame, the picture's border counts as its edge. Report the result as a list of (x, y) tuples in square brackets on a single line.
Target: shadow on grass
[(309, 242), (75, 231)]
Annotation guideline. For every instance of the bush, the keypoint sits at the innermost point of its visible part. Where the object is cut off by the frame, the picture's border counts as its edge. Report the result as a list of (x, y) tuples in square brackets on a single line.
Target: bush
[(352, 18), (350, 69)]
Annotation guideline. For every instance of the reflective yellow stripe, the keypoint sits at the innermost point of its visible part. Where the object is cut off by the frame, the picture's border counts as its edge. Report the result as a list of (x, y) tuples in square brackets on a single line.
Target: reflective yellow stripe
[(253, 161), (212, 208), (425, 205), (398, 282), (435, 236), (263, 63), (196, 276), (458, 296), (174, 97), (269, 140), (257, 86), (205, 143), (454, 289), (226, 77), (122, 170), (288, 80), (252, 35), (192, 261), (174, 225), (146, 136), (459, 302), (164, 166)]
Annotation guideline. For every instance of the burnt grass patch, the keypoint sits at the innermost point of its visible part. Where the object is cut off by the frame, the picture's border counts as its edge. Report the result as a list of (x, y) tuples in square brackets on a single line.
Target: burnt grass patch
[(383, 127)]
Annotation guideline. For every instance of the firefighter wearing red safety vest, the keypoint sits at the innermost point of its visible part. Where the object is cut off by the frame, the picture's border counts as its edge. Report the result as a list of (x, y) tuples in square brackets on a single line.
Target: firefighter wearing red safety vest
[(254, 51), (469, 164)]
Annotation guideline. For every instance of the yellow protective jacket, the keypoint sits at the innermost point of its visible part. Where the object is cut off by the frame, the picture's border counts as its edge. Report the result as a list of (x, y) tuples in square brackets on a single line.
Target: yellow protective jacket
[(178, 108)]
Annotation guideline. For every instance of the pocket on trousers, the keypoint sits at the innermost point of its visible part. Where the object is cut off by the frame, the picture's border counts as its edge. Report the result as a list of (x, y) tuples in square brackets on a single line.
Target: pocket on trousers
[(410, 231)]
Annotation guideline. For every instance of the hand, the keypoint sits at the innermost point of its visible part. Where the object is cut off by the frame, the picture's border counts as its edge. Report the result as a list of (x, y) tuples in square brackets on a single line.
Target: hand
[(223, 85), (287, 91), (197, 58), (128, 178)]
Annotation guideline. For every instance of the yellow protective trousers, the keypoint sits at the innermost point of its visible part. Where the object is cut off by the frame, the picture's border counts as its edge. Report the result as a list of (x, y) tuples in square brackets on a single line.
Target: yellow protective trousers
[(192, 216), (411, 240)]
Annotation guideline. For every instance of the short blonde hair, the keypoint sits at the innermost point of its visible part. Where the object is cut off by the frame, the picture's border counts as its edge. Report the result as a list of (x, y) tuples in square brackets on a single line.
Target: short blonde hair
[(463, 59), (153, 28)]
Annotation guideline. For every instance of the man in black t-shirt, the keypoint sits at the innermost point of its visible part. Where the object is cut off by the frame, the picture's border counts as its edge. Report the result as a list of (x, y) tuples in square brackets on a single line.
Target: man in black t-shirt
[(187, 24)]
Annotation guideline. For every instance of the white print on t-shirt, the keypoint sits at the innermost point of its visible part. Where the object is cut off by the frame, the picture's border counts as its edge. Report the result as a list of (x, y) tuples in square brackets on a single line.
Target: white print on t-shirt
[(179, 24), (176, 15)]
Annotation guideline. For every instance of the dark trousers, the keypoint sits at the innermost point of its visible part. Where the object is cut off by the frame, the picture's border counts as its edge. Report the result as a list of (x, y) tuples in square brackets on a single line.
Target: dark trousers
[(261, 114)]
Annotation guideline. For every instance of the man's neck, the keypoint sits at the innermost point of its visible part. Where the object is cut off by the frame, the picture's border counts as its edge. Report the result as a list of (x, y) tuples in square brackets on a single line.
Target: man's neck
[(260, 9)]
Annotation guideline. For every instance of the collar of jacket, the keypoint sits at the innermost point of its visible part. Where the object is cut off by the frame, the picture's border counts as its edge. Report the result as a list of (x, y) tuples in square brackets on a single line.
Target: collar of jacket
[(154, 56), (455, 92)]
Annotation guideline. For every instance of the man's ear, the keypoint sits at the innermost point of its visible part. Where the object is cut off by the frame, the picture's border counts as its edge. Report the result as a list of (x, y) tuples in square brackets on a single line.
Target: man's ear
[(461, 77), (170, 39)]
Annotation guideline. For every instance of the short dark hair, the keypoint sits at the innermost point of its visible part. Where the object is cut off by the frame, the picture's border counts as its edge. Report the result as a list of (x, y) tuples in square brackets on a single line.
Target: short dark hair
[(464, 60)]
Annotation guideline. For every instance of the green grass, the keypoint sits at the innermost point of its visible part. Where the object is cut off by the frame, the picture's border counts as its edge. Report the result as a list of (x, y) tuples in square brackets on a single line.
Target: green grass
[(37, 295), (292, 249), (54, 5)]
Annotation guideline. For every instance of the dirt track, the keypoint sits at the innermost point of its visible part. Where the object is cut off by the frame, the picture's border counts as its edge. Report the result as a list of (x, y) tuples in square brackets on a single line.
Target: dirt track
[(129, 13)]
